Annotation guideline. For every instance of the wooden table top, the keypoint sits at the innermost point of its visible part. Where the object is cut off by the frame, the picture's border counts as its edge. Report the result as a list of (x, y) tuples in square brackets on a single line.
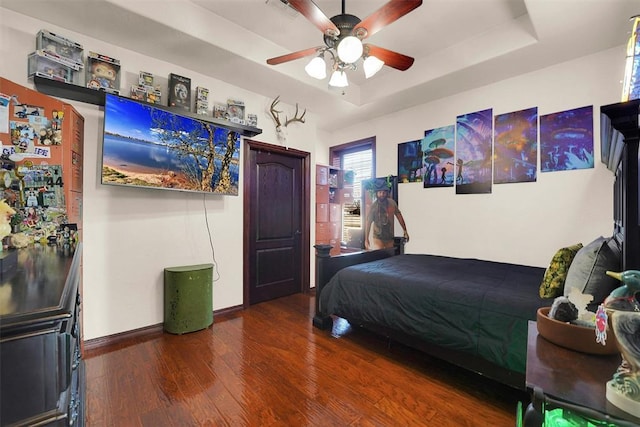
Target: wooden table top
[(574, 377)]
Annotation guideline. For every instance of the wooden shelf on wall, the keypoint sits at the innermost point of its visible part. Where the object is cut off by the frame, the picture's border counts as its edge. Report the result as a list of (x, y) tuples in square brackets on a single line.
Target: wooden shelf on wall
[(97, 97), (68, 91)]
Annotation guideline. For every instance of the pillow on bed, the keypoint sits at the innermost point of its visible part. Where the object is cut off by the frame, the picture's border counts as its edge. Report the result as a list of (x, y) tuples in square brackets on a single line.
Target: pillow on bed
[(552, 285), (588, 270)]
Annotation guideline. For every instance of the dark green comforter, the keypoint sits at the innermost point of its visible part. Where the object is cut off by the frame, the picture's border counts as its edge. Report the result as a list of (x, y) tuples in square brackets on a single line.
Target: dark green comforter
[(478, 307)]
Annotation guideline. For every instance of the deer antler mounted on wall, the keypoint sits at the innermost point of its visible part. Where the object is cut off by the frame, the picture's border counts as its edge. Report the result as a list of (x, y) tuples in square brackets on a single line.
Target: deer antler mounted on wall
[(281, 129)]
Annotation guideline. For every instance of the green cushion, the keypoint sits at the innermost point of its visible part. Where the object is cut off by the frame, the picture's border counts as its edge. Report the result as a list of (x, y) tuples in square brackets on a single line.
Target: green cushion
[(552, 285), (588, 270)]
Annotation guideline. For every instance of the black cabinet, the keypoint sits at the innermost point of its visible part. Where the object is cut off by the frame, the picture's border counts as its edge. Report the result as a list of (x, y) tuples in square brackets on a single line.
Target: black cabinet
[(41, 368), (620, 139)]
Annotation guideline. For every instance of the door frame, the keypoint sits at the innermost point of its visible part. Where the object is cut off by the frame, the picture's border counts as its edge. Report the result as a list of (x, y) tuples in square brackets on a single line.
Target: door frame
[(305, 212)]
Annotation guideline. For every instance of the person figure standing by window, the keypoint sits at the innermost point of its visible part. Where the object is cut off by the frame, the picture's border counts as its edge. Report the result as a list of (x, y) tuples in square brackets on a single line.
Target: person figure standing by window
[(381, 216)]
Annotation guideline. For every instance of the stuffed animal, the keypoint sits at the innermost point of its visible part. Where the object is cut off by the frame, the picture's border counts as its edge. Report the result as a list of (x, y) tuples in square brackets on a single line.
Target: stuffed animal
[(6, 212), (563, 310)]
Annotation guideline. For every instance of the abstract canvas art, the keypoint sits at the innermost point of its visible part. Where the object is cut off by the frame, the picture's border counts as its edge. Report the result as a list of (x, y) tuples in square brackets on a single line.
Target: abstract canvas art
[(437, 157), (566, 140), (474, 132), (516, 147)]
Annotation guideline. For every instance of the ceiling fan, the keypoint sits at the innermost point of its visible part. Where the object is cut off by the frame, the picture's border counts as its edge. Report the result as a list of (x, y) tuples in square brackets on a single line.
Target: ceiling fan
[(343, 35)]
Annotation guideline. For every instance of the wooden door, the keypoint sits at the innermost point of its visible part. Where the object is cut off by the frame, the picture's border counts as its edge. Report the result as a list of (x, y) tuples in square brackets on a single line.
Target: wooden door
[(276, 196)]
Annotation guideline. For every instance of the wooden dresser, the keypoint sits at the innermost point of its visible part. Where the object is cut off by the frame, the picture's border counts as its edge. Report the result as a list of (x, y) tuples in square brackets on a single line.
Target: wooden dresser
[(41, 367)]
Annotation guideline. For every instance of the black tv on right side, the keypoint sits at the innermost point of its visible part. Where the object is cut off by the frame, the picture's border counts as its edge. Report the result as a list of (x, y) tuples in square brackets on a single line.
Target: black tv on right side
[(151, 146)]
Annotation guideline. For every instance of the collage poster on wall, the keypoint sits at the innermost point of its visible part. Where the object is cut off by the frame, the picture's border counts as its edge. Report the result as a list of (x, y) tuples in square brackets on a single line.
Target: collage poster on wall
[(516, 147), (566, 140), (474, 133), (410, 161), (438, 147)]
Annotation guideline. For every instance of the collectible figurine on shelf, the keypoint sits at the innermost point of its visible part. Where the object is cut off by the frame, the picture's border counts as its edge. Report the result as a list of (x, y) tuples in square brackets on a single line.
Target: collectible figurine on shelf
[(103, 75)]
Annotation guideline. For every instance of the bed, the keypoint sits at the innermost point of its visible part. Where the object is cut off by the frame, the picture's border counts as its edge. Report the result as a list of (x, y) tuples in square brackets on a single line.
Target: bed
[(471, 312)]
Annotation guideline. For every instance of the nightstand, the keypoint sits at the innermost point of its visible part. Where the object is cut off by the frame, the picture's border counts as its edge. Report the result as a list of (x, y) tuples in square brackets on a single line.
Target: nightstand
[(569, 386)]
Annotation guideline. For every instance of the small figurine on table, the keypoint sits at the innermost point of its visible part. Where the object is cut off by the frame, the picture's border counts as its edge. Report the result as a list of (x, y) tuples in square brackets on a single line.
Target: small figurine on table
[(32, 217)]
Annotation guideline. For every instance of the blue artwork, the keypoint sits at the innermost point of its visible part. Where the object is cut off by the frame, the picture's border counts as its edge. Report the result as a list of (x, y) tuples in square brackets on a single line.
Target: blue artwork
[(410, 161), (438, 151), (516, 147), (474, 132), (566, 140)]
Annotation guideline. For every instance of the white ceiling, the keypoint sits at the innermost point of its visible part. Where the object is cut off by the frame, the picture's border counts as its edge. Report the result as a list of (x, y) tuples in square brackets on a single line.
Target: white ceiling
[(457, 44)]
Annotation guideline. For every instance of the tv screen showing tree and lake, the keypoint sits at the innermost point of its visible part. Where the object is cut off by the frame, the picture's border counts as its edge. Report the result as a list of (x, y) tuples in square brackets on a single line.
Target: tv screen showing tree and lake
[(147, 146)]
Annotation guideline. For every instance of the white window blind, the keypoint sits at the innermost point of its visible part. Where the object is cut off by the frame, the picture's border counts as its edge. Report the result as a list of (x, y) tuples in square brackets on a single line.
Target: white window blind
[(360, 163), (358, 157)]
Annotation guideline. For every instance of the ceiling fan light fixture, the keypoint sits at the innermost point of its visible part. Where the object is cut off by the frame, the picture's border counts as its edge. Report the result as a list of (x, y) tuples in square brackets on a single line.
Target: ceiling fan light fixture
[(343, 35), (317, 68), (338, 79), (371, 66), (350, 49)]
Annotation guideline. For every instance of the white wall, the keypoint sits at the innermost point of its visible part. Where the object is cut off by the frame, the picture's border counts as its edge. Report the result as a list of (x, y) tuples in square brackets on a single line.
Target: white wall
[(520, 223), (131, 235)]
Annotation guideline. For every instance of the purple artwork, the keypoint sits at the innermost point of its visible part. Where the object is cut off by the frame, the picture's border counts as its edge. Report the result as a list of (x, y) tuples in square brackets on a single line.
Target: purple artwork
[(473, 152), (566, 140), (438, 147), (516, 147), (410, 161)]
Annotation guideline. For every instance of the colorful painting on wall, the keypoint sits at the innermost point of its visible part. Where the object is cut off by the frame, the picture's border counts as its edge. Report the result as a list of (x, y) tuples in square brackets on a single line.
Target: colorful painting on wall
[(516, 147), (438, 147), (473, 152), (566, 140), (410, 161)]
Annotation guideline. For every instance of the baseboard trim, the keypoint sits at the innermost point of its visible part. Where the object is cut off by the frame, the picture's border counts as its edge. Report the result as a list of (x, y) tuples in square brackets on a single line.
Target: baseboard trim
[(95, 346)]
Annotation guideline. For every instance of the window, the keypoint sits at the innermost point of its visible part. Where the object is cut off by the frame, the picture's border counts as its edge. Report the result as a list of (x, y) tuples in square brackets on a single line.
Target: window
[(358, 157)]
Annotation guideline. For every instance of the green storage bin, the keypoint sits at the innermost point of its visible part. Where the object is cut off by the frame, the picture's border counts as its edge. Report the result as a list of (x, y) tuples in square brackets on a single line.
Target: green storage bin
[(188, 299)]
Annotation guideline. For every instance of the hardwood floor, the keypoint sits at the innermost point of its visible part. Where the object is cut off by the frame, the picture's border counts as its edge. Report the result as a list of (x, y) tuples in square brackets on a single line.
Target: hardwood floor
[(268, 366)]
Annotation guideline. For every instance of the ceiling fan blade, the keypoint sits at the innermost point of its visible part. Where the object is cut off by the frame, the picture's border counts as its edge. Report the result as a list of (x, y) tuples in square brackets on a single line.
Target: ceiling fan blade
[(316, 16), (292, 56), (388, 13), (392, 59)]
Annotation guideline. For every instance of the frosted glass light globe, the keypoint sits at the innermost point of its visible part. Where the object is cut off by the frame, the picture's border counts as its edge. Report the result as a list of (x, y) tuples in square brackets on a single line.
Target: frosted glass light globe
[(338, 79), (349, 49), (317, 68), (371, 66)]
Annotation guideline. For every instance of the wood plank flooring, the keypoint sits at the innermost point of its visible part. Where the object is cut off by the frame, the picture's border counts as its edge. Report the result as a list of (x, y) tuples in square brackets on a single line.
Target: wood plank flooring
[(268, 366)]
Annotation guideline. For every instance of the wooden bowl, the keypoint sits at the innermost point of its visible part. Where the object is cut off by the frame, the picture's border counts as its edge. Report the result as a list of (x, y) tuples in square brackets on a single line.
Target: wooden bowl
[(574, 337)]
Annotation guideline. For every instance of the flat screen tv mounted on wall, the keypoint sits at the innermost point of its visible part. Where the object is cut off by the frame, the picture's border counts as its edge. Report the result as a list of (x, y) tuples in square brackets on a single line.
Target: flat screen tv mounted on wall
[(150, 146)]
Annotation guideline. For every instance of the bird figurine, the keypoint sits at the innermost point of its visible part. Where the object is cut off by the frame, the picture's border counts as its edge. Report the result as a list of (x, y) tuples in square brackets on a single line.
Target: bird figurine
[(623, 308)]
